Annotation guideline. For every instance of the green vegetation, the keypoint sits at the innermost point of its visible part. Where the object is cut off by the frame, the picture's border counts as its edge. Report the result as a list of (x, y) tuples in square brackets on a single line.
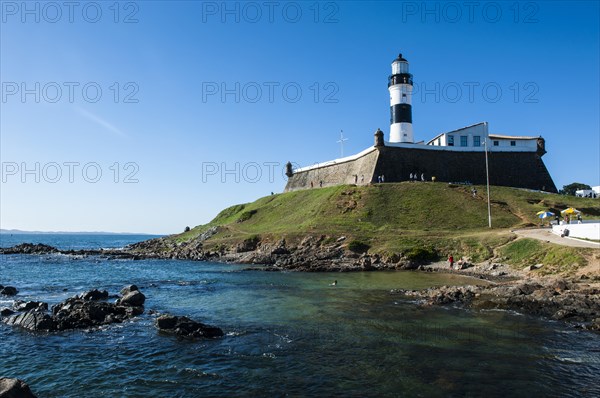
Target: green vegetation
[(570, 189), (524, 252), (422, 254), (246, 215), (423, 221)]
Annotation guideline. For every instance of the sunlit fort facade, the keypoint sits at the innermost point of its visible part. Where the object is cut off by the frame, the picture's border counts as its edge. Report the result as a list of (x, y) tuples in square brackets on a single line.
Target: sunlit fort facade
[(457, 156)]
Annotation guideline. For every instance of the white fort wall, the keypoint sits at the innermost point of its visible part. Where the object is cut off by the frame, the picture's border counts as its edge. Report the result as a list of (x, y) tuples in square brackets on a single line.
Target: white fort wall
[(357, 169)]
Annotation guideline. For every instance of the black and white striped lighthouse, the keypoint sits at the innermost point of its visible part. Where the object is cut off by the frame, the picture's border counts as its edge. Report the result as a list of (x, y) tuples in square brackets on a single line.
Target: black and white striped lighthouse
[(400, 86)]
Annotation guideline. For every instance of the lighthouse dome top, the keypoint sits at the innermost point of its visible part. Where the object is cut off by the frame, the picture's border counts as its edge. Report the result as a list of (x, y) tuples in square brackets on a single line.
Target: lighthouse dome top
[(400, 58)]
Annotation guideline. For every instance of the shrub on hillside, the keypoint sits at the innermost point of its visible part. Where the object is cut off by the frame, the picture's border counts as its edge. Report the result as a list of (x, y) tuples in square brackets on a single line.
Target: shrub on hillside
[(421, 254), (245, 216), (358, 247)]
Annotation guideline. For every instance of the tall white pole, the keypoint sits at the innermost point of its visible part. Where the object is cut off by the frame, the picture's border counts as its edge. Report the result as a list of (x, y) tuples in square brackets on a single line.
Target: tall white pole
[(487, 175)]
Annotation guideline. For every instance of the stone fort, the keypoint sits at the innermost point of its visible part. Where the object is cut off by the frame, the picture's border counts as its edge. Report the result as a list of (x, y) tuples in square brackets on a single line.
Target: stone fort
[(466, 155)]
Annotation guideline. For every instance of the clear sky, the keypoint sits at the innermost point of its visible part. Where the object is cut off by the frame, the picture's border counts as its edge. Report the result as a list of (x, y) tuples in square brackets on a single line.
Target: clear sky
[(149, 116)]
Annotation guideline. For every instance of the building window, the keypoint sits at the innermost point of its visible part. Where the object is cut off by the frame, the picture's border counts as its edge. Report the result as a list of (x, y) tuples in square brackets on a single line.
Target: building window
[(450, 140), (439, 141), (463, 140), (476, 140), (513, 143), (496, 143)]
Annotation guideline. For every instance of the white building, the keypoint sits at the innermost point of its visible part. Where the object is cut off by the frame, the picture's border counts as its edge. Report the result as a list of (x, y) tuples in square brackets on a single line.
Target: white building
[(472, 138), (588, 193)]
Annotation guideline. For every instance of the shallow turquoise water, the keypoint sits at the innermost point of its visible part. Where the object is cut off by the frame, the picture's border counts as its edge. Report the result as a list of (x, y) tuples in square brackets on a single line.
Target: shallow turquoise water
[(286, 334)]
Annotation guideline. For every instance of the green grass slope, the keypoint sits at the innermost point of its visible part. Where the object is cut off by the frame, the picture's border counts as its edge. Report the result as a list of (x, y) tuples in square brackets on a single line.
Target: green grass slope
[(429, 219)]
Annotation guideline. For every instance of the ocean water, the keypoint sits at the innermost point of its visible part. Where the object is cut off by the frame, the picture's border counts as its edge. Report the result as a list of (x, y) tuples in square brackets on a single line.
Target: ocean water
[(287, 334)]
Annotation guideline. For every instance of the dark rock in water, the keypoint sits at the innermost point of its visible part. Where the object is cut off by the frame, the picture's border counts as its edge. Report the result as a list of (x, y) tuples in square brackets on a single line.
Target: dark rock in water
[(6, 312), (14, 388), (9, 291), (29, 305), (94, 295), (185, 327), (32, 320), (127, 289), (132, 299), (80, 312), (29, 248)]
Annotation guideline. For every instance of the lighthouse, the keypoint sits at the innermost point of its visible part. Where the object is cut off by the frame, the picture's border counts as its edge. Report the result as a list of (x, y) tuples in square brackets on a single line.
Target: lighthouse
[(400, 85)]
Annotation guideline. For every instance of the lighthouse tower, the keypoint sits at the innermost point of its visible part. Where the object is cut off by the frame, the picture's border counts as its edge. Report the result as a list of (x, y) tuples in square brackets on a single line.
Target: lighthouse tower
[(400, 86)]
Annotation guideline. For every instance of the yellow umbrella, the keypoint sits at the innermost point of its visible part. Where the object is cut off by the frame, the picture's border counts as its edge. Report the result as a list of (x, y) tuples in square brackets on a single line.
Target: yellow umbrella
[(570, 210)]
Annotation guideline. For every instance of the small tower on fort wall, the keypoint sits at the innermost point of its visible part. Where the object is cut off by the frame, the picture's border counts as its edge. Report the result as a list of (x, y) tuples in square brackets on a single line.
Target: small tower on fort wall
[(400, 86), (379, 138)]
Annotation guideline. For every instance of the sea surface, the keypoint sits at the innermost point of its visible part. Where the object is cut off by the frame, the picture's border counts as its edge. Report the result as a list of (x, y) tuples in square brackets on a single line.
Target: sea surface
[(287, 334)]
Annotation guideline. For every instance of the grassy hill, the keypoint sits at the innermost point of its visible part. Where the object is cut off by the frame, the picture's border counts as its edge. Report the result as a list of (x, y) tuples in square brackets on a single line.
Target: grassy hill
[(427, 219)]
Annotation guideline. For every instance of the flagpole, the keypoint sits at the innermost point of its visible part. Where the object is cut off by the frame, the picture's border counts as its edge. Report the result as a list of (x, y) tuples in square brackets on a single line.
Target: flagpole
[(487, 176)]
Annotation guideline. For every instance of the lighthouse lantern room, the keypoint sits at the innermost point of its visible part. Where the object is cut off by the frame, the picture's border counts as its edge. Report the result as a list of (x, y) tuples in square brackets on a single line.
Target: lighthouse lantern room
[(400, 86)]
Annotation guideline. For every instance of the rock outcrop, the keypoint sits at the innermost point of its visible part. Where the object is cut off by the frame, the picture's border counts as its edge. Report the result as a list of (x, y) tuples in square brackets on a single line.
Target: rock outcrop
[(573, 302), (8, 290), (29, 305), (132, 297), (14, 388), (29, 248), (84, 311), (41, 249), (6, 312), (185, 327), (32, 320)]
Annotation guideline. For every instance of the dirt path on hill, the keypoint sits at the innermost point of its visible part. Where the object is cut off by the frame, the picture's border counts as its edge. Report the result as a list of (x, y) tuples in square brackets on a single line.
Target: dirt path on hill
[(546, 235)]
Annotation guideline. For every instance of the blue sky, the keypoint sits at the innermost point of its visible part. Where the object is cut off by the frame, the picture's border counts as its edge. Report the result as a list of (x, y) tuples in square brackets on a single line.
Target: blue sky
[(187, 107)]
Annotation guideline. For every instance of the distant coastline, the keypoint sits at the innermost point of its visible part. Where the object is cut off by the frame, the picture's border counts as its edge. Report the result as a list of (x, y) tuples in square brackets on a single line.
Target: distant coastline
[(20, 232)]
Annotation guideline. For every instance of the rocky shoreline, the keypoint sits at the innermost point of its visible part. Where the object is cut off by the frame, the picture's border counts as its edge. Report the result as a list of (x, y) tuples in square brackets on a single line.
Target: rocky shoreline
[(311, 254), (575, 300)]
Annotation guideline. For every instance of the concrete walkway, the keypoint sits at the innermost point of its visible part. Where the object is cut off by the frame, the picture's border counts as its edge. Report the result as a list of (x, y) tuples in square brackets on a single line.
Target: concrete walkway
[(546, 235)]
